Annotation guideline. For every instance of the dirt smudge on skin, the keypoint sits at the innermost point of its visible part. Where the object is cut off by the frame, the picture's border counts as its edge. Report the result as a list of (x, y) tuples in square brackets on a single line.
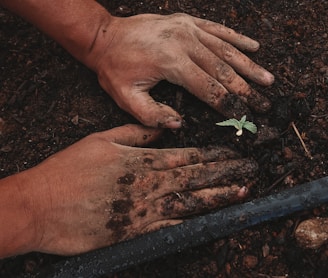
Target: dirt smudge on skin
[(194, 158), (122, 206), (146, 136), (117, 225), (142, 213), (148, 160), (120, 217), (166, 34), (188, 203), (128, 179), (232, 106), (211, 154), (179, 204), (257, 102), (155, 186), (176, 173)]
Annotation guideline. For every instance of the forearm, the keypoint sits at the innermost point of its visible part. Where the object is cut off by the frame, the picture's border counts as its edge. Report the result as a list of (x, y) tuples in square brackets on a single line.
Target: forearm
[(75, 24), (18, 219)]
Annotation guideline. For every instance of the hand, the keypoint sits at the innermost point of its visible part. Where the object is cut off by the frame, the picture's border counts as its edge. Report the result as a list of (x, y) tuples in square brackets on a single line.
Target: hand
[(135, 53), (99, 192)]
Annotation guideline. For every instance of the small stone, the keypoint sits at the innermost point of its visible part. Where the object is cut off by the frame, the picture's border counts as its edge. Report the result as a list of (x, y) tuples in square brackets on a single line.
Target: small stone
[(6, 149), (2, 126), (30, 266), (123, 10), (228, 269), (250, 261), (75, 120), (312, 233), (265, 250), (288, 154), (289, 180)]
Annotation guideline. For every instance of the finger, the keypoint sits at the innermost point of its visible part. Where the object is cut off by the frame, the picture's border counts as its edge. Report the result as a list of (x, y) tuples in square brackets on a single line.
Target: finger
[(227, 76), (159, 225), (228, 35), (149, 112), (131, 135), (237, 60), (192, 202), (209, 90), (164, 159), (210, 174)]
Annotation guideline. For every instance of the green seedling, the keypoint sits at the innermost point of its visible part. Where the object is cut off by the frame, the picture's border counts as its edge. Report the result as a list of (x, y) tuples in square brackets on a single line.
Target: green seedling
[(239, 125)]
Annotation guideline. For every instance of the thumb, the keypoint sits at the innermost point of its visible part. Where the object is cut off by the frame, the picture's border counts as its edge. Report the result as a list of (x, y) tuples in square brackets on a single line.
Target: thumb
[(149, 112), (131, 135)]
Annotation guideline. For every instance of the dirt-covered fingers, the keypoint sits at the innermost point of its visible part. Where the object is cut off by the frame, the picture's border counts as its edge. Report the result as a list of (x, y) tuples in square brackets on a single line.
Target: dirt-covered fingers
[(208, 89), (164, 159), (227, 34), (148, 111), (223, 70), (237, 60), (211, 174), (159, 225), (182, 204)]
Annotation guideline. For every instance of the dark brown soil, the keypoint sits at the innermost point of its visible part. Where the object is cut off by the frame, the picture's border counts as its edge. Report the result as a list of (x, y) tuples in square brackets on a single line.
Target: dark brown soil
[(49, 101)]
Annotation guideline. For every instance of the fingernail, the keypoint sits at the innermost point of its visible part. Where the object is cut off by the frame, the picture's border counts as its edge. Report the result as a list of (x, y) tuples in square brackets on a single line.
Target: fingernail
[(254, 46), (173, 122), (231, 106), (242, 192), (269, 77), (258, 102)]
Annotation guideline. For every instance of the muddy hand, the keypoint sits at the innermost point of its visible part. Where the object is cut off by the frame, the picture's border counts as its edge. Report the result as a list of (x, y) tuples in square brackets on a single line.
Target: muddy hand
[(137, 52), (131, 55), (99, 192)]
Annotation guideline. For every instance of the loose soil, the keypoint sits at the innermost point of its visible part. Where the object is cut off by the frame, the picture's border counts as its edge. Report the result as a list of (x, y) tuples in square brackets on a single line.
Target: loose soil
[(49, 101)]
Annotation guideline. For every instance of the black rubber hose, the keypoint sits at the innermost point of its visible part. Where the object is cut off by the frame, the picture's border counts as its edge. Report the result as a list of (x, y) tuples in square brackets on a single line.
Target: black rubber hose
[(194, 232)]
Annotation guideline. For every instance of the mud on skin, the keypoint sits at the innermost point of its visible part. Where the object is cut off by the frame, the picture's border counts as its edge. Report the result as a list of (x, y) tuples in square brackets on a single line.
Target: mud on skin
[(149, 160), (142, 200), (186, 203), (231, 106), (257, 102)]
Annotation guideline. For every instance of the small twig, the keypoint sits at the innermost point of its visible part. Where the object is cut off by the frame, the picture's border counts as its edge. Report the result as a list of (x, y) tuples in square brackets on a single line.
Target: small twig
[(269, 276), (166, 5), (180, 7), (319, 116), (307, 152), (280, 179), (86, 120)]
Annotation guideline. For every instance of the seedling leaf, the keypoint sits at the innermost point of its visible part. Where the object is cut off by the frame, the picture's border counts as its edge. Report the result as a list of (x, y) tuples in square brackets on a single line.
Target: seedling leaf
[(231, 122), (250, 127), (239, 125), (242, 120)]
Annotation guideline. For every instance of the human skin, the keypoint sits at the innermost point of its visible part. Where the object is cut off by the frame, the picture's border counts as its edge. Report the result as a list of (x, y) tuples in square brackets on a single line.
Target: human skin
[(101, 191), (130, 55), (98, 191)]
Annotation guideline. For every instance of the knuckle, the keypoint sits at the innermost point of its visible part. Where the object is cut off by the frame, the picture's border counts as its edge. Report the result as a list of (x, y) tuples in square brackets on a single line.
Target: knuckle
[(228, 51), (225, 73), (181, 27), (215, 91), (96, 143), (191, 156), (182, 16), (94, 137), (148, 116)]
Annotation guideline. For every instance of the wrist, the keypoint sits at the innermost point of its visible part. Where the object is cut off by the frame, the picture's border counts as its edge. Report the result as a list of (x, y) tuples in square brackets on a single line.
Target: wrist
[(77, 25), (20, 217), (101, 41)]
